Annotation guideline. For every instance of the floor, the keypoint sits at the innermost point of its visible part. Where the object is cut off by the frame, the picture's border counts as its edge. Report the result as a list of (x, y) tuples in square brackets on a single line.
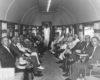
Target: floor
[(52, 70)]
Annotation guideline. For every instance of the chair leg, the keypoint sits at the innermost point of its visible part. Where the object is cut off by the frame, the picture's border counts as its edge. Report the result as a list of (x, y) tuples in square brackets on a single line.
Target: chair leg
[(70, 71)]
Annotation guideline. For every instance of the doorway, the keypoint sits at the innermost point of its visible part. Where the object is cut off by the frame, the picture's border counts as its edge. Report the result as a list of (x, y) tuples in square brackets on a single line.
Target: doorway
[(49, 24)]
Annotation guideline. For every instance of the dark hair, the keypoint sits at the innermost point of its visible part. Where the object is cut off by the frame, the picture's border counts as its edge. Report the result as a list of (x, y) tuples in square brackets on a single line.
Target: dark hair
[(96, 38), (46, 25), (88, 36)]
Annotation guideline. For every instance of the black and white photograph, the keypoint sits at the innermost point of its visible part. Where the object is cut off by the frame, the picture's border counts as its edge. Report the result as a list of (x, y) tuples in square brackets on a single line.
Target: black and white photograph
[(49, 39)]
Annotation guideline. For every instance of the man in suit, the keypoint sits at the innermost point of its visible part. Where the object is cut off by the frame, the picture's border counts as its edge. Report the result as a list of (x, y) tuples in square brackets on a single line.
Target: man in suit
[(78, 48), (92, 59), (32, 60), (88, 44), (23, 41), (7, 58), (40, 44)]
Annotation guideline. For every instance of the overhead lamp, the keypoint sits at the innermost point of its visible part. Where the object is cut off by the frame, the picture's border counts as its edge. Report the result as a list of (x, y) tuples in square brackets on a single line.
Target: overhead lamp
[(48, 5)]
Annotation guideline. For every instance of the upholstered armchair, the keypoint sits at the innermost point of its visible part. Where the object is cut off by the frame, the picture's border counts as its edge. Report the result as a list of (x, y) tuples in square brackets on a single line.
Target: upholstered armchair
[(93, 74), (9, 74)]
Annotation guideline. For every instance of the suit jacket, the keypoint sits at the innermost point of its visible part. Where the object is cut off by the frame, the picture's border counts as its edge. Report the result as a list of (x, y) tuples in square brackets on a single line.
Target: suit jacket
[(96, 56), (15, 51), (87, 48), (7, 60), (34, 38), (79, 46), (24, 44), (39, 37)]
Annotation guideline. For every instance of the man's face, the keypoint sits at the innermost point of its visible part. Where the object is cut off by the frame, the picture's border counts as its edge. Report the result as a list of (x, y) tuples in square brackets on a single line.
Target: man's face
[(5, 42), (21, 37), (15, 41), (87, 39), (81, 38), (18, 40), (75, 36), (95, 42)]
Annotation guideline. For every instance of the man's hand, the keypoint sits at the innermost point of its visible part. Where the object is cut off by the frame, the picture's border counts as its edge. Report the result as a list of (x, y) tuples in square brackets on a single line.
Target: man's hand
[(83, 59), (68, 51), (78, 51)]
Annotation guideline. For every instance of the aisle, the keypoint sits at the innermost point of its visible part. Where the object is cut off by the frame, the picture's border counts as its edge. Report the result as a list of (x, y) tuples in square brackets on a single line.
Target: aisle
[(52, 70)]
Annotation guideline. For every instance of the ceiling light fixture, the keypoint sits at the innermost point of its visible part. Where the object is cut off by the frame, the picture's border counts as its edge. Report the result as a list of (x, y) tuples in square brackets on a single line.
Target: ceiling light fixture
[(48, 5)]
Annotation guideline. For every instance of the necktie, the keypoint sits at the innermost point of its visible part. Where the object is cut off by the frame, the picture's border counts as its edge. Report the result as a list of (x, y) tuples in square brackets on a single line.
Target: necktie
[(93, 52), (10, 52), (87, 45)]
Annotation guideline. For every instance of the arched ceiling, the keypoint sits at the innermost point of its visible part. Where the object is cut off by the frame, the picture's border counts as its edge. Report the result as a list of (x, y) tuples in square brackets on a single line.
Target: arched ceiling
[(62, 12)]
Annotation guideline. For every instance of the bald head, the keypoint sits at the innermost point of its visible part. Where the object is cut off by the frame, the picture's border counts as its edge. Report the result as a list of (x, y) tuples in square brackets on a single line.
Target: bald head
[(75, 36), (5, 41), (15, 40)]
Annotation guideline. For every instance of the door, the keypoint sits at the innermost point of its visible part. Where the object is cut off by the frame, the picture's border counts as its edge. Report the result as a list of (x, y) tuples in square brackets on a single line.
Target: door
[(48, 24)]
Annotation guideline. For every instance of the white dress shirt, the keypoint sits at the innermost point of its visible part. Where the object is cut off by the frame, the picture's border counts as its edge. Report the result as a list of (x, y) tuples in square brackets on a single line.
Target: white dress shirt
[(21, 48), (93, 52), (60, 39), (75, 41)]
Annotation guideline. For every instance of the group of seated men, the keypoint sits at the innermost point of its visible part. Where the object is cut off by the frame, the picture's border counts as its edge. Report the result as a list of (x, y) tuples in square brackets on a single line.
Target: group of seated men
[(70, 49), (21, 52)]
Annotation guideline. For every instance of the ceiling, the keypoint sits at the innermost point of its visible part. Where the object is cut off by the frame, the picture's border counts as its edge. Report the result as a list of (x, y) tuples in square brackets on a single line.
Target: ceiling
[(62, 12)]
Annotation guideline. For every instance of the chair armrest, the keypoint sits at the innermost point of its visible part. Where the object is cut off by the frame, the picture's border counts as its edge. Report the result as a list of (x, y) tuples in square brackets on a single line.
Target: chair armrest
[(82, 55), (95, 69)]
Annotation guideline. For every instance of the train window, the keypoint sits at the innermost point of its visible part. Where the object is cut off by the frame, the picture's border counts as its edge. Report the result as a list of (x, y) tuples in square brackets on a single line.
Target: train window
[(58, 30), (67, 30), (16, 30), (24, 32), (89, 30), (4, 26), (34, 30), (4, 29)]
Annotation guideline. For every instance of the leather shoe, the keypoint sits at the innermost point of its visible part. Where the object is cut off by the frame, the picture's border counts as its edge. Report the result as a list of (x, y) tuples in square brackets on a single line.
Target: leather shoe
[(38, 74), (40, 67), (61, 66), (60, 61), (66, 74), (65, 70), (40, 56), (39, 71), (67, 79)]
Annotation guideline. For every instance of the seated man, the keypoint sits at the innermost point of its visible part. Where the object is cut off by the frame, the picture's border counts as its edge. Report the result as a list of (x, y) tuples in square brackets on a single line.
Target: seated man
[(78, 48), (40, 44), (92, 59), (6, 57), (54, 42), (58, 41), (68, 43), (26, 42), (86, 50), (18, 53), (27, 51), (75, 40)]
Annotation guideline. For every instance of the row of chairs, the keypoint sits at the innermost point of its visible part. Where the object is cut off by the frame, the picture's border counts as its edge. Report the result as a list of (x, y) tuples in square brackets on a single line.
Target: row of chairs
[(90, 73)]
